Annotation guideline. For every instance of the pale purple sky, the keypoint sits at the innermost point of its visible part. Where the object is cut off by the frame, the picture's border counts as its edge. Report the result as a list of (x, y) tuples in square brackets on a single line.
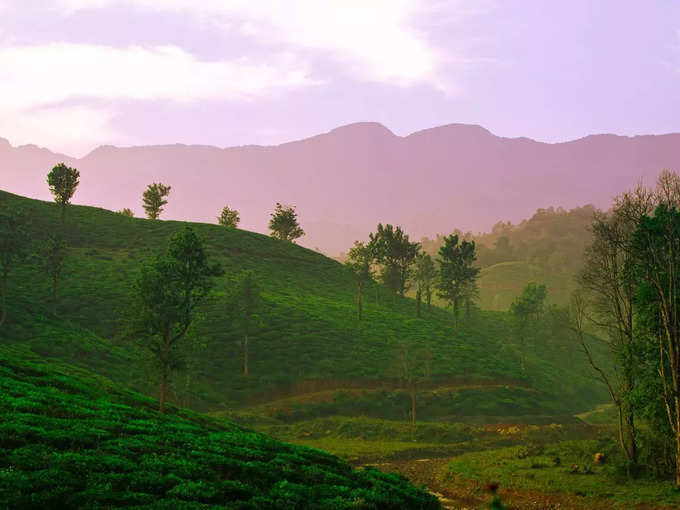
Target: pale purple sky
[(75, 74)]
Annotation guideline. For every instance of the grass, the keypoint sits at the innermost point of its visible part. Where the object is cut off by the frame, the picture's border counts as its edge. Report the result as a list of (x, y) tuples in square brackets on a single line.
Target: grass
[(308, 331), (549, 469), (80, 441)]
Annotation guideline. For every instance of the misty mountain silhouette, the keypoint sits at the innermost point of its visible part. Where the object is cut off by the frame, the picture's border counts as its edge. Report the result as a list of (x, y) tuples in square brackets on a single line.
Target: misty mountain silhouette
[(347, 180)]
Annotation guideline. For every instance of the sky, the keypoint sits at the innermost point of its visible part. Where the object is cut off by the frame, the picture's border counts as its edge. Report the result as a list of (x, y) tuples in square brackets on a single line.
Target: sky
[(75, 74)]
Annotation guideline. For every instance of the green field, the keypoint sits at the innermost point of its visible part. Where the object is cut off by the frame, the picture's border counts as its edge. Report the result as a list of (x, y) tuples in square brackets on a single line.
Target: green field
[(308, 336), (69, 439)]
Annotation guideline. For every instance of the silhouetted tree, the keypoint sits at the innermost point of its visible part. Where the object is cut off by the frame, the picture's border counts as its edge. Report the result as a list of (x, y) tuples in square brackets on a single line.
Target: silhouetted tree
[(229, 217), (359, 262), (412, 363), (456, 272), (424, 275), (168, 291), (284, 223), (392, 249), (51, 257), (153, 199), (13, 248), (246, 301), (63, 181)]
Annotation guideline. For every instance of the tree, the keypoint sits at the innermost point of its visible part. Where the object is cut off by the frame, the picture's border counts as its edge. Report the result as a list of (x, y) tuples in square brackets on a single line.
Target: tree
[(284, 223), (153, 199), (359, 262), (63, 181), (456, 272), (656, 265), (424, 276), (13, 247), (525, 311), (168, 291), (609, 297), (413, 369), (229, 217), (51, 257), (246, 302), (127, 212), (392, 249)]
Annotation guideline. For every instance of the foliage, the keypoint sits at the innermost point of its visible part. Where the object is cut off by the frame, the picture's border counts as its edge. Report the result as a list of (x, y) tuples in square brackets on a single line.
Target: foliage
[(168, 292), (284, 223), (127, 212), (456, 272), (425, 277), (307, 336), (81, 442), (229, 217), (359, 260), (392, 249), (63, 181), (153, 199)]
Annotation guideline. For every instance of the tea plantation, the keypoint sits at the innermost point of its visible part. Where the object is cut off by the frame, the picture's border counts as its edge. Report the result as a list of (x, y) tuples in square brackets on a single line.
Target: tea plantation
[(71, 439), (307, 336)]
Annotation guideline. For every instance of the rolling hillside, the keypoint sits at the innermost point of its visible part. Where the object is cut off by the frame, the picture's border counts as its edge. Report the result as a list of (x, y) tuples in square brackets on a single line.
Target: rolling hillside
[(308, 339), (71, 439)]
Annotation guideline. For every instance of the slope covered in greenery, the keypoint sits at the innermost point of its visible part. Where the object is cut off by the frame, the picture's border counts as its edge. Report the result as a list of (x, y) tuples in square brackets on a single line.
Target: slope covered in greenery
[(307, 338), (71, 439)]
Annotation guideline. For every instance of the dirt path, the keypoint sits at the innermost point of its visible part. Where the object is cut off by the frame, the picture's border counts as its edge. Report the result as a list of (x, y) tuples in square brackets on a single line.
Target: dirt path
[(460, 494)]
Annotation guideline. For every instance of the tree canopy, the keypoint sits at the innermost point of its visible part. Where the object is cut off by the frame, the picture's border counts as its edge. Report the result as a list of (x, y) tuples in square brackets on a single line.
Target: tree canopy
[(63, 181), (284, 223), (153, 199), (229, 217), (168, 291)]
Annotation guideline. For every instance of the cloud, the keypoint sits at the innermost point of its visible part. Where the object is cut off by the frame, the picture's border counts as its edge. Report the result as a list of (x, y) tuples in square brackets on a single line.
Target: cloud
[(40, 85), (376, 40)]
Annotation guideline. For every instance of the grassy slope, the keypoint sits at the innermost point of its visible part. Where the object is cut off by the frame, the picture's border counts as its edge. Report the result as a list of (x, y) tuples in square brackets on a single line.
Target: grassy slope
[(308, 329), (70, 439), (501, 283)]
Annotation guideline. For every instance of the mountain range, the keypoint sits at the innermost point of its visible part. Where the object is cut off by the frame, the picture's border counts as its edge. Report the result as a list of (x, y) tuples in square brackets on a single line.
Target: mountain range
[(347, 180)]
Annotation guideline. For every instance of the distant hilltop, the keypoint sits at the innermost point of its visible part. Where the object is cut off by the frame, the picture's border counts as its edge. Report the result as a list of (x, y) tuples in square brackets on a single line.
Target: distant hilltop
[(347, 180)]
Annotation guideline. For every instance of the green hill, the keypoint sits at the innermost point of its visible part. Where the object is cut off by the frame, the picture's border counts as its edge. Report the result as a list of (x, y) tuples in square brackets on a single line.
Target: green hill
[(501, 283), (71, 439), (308, 339)]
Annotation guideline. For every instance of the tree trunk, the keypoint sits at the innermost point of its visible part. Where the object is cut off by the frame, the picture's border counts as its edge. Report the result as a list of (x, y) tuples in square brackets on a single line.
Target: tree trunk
[(359, 301), (419, 298), (429, 299), (3, 284), (467, 308), (63, 212), (413, 406), (164, 375), (245, 355)]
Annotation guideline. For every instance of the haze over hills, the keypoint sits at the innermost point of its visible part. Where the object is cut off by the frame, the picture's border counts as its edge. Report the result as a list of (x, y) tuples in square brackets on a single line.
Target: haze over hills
[(346, 181)]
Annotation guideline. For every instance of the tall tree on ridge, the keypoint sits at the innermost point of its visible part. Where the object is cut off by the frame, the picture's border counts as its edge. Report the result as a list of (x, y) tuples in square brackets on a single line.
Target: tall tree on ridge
[(153, 199), (229, 217), (284, 223), (63, 181)]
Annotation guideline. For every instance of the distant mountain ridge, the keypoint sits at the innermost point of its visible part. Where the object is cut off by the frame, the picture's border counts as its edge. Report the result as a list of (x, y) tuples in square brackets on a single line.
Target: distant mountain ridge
[(347, 180)]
